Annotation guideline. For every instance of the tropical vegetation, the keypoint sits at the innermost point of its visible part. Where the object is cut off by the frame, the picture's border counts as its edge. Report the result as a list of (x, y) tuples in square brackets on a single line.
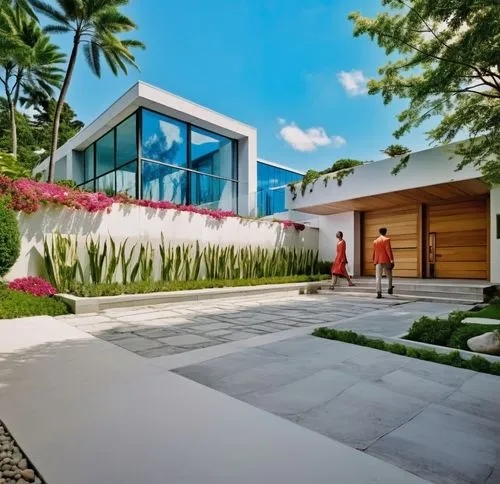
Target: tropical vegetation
[(108, 262), (447, 68), (96, 26), (19, 304), (116, 289), (452, 331), (338, 171), (10, 239)]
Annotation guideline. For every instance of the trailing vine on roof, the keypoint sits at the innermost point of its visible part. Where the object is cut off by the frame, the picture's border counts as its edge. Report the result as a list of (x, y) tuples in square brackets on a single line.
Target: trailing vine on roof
[(339, 170)]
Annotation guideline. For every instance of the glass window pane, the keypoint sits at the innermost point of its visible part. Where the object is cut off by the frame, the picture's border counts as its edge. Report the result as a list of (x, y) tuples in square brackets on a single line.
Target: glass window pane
[(214, 193), (88, 187), (126, 141), (164, 139), (106, 184), (165, 183), (89, 163), (126, 179), (105, 153), (212, 153)]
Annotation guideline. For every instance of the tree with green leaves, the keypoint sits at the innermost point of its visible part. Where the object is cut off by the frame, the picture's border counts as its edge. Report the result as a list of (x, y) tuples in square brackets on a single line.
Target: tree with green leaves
[(448, 66), (33, 64), (34, 131), (95, 24)]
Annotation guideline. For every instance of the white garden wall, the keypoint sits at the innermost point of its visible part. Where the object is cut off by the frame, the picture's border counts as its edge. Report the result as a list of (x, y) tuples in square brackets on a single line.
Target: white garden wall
[(348, 224), (140, 224)]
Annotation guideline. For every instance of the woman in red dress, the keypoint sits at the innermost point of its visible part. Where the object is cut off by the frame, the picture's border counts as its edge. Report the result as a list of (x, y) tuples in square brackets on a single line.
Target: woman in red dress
[(339, 268)]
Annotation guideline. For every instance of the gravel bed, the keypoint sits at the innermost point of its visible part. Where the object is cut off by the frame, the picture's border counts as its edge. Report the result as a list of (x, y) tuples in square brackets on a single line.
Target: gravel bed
[(15, 467)]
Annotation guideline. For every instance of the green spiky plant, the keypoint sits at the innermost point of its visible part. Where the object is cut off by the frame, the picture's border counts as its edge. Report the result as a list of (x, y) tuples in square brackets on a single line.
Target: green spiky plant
[(61, 263), (125, 260), (97, 258)]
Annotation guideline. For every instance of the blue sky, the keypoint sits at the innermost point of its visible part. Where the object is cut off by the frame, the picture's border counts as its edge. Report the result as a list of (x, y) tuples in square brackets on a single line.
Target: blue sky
[(274, 64)]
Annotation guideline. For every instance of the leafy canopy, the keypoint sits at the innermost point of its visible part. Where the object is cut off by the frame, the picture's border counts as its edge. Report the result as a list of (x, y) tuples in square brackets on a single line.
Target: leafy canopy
[(447, 64), (97, 24)]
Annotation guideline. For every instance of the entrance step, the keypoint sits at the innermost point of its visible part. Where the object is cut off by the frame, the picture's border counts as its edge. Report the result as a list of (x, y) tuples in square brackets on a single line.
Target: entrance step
[(459, 292)]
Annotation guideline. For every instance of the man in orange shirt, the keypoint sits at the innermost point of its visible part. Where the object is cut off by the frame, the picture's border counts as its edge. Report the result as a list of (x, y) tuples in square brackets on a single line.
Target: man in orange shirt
[(383, 260)]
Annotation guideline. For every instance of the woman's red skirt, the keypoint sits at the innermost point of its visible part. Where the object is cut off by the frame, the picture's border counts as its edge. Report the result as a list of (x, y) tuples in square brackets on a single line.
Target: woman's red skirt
[(339, 269)]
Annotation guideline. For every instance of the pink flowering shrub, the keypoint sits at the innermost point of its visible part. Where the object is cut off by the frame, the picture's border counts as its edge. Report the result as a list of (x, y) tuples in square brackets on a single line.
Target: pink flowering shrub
[(29, 196), (33, 285)]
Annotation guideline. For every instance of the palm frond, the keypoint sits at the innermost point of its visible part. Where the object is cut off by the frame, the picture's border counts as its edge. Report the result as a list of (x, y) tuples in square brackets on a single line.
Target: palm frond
[(48, 10)]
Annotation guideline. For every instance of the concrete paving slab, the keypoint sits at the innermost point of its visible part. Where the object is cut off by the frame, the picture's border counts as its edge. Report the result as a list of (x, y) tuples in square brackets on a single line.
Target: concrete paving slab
[(184, 340), (446, 375), (373, 364), (462, 450), (304, 394), (485, 386), (136, 423), (474, 404), (406, 383), (137, 343), (362, 414)]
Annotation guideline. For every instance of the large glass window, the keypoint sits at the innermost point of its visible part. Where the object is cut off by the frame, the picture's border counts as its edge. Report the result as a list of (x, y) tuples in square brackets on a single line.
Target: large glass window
[(105, 153), (126, 179), (212, 154), (272, 184), (89, 163), (126, 141), (106, 184), (211, 192), (163, 183), (164, 139)]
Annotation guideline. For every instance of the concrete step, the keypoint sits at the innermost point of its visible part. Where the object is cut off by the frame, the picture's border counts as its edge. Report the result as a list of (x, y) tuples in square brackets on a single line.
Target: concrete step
[(403, 290), (412, 297), (461, 290)]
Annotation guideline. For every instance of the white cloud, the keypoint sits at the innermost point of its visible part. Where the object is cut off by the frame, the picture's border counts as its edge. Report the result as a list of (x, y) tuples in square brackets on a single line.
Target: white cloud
[(172, 132), (338, 141), (309, 139), (200, 139), (281, 121), (354, 82)]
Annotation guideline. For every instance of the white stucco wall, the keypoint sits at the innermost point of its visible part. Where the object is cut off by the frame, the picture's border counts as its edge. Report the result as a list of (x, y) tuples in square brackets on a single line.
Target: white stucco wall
[(143, 225), (329, 225), (425, 168), (494, 242)]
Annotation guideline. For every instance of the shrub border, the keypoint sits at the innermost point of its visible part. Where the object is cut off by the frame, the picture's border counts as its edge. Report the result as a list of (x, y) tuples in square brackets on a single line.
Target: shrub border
[(422, 351), (92, 304)]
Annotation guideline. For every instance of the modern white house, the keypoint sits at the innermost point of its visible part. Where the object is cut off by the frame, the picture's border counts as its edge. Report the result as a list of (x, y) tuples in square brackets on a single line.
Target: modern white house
[(443, 223), (152, 144)]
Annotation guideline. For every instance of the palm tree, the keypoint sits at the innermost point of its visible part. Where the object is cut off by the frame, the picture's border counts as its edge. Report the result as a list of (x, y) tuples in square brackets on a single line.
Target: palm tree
[(95, 24), (33, 65)]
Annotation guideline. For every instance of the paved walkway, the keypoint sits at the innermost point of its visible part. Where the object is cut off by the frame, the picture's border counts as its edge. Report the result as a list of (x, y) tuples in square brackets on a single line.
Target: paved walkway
[(86, 409), (438, 422), (168, 329)]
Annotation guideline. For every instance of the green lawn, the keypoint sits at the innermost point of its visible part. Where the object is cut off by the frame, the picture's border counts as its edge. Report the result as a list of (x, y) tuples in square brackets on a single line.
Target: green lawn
[(491, 312), (14, 304)]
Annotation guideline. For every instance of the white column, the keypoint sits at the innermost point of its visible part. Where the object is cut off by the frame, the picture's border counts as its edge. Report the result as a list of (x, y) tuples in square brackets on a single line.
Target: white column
[(495, 234)]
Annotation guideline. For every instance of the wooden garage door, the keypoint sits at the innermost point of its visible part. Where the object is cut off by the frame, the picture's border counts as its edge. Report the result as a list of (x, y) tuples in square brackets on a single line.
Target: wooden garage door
[(403, 229), (461, 239)]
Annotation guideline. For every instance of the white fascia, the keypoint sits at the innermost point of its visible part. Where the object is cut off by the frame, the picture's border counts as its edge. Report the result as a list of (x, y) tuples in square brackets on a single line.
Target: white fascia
[(163, 102)]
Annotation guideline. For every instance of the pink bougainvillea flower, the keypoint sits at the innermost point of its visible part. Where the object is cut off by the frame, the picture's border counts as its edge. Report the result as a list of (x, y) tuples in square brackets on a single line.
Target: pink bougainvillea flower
[(33, 285), (29, 196)]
